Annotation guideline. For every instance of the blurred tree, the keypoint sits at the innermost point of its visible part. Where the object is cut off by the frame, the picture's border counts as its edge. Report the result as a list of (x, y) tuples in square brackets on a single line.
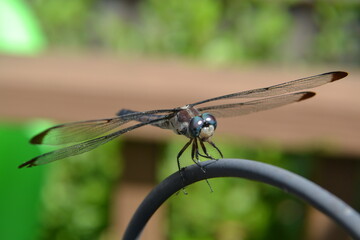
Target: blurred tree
[(20, 32), (215, 31)]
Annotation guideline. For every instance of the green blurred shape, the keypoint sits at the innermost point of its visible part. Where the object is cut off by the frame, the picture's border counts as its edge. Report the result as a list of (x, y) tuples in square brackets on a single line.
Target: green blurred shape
[(78, 193), (20, 32), (20, 199), (63, 200)]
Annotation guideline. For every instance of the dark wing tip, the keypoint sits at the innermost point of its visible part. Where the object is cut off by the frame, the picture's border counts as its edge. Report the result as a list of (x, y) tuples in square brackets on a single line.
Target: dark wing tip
[(38, 139), (338, 75), (28, 164), (307, 95)]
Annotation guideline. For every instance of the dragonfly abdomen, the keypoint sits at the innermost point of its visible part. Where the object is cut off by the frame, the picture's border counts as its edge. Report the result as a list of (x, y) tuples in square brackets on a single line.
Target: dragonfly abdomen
[(145, 118)]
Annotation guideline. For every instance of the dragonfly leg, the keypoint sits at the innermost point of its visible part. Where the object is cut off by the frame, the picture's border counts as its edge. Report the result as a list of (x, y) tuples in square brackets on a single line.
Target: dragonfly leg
[(178, 162), (182, 151), (195, 154), (197, 158), (205, 151), (213, 144), (193, 150)]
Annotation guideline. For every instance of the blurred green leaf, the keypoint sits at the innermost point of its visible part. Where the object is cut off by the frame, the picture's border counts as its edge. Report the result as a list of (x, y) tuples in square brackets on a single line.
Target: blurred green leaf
[(218, 32)]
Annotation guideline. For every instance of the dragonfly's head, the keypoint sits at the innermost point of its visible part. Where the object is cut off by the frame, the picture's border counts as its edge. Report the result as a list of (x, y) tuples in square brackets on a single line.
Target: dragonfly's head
[(202, 126)]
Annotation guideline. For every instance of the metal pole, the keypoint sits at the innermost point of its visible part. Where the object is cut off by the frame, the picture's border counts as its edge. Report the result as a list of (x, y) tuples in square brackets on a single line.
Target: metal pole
[(289, 182)]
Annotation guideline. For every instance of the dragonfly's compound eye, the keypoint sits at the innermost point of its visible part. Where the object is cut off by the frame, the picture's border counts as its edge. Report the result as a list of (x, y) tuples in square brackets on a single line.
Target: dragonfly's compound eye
[(195, 126), (209, 119)]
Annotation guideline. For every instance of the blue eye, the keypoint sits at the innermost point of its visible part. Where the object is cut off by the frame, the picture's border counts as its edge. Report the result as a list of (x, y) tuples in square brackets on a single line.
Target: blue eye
[(209, 119), (195, 126)]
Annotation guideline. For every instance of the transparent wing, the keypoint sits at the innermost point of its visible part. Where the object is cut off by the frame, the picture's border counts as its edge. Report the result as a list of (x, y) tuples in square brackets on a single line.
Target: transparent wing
[(282, 88), (84, 130), (237, 109), (79, 148), (77, 131)]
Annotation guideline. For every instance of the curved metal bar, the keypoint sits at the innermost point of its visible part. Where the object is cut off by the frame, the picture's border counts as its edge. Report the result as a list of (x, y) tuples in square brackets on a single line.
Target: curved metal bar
[(289, 182)]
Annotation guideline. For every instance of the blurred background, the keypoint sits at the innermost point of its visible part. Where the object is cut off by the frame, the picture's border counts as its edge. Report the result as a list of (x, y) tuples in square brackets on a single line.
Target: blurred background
[(86, 59)]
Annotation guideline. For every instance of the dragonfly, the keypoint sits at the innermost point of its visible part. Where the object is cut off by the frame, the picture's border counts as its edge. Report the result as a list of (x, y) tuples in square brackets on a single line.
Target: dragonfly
[(196, 121)]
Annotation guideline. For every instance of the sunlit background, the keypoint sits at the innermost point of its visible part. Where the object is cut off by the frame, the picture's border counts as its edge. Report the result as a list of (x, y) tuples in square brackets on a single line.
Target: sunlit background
[(87, 59)]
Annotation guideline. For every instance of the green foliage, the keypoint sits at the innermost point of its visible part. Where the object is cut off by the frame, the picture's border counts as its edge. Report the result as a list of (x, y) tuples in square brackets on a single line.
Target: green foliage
[(259, 29), (63, 200), (77, 195), (65, 22), (337, 32), (208, 30), (19, 30), (20, 201), (180, 27)]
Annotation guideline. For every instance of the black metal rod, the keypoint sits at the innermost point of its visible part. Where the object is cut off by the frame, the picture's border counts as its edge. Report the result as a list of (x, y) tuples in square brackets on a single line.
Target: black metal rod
[(289, 182)]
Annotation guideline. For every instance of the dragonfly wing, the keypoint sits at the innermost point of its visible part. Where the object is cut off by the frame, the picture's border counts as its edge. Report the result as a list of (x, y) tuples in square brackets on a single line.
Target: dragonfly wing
[(78, 148), (68, 151), (237, 109), (77, 131), (84, 130), (282, 88)]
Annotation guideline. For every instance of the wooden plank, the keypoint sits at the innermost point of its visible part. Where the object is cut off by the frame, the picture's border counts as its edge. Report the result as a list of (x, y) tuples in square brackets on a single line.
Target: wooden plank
[(71, 88), (139, 177), (330, 174)]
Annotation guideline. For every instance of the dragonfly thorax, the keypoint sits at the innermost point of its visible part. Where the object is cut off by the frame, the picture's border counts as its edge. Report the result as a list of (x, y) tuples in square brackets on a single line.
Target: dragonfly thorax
[(192, 124)]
